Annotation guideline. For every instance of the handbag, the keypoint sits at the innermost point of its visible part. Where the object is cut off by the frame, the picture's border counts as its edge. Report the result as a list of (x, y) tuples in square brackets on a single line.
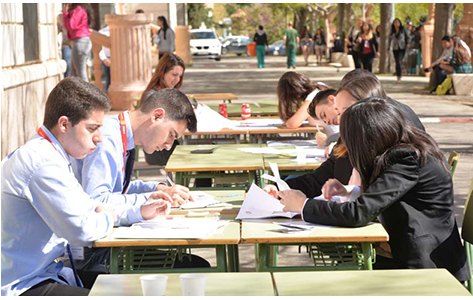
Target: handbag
[(444, 87)]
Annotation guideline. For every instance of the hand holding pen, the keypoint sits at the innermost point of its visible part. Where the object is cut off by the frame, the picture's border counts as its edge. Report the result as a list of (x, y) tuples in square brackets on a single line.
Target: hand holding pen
[(180, 194)]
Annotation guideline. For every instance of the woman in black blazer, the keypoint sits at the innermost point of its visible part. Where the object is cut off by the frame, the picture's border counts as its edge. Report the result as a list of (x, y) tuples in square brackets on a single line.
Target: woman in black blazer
[(367, 45), (406, 184)]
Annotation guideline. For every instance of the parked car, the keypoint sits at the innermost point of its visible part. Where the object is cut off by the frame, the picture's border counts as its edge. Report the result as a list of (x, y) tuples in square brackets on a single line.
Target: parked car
[(235, 44), (277, 48), (204, 42)]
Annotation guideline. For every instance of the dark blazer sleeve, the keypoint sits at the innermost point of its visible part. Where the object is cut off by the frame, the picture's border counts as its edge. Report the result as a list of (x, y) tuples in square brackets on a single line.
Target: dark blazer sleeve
[(389, 187), (408, 113), (311, 184)]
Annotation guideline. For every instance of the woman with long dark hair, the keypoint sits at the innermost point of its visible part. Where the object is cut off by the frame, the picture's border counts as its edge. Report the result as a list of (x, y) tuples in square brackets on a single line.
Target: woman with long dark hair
[(405, 183), (165, 37), (460, 61), (169, 73), (295, 93), (306, 44), (399, 44), (319, 45), (78, 17)]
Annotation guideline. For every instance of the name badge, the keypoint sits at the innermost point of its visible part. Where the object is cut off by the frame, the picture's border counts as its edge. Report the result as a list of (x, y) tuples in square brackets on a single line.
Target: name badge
[(77, 253)]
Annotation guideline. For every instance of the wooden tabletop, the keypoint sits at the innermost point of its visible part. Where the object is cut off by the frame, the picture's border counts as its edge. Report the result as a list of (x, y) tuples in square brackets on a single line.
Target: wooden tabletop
[(249, 130), (224, 158), (229, 235), (213, 96), (411, 282), (259, 108), (286, 163), (260, 232), (218, 284)]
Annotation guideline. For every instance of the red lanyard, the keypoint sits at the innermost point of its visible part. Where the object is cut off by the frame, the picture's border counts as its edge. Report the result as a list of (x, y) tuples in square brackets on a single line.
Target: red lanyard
[(121, 117), (41, 133)]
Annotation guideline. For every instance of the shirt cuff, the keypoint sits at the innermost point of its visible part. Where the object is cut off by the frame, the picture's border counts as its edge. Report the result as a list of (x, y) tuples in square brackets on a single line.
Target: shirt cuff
[(302, 210)]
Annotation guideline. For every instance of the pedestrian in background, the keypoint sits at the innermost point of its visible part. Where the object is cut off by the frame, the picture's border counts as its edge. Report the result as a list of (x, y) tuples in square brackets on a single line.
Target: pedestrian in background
[(399, 44), (65, 44), (77, 18), (165, 37), (306, 44), (261, 45), (291, 39), (368, 46), (320, 43)]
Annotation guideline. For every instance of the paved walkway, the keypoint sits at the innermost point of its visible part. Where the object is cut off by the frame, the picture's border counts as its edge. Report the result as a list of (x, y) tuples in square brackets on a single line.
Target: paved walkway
[(448, 119)]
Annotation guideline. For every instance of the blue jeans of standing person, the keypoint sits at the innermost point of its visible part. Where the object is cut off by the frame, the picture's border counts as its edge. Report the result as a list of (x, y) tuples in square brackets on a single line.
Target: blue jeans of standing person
[(66, 55), (260, 53), (291, 56), (81, 48), (106, 74)]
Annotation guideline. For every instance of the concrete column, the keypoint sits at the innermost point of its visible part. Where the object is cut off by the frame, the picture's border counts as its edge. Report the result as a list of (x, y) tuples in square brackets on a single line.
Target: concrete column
[(427, 38), (183, 48), (465, 28), (130, 55)]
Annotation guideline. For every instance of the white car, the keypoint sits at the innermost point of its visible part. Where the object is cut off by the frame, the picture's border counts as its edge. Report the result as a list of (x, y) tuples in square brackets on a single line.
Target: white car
[(204, 42)]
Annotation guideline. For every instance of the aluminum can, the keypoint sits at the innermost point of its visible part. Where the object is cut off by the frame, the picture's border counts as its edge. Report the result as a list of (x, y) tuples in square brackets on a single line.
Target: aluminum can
[(245, 111), (222, 110)]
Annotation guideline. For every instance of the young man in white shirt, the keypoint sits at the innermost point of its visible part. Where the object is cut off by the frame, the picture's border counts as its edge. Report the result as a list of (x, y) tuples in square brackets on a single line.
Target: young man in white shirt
[(44, 208)]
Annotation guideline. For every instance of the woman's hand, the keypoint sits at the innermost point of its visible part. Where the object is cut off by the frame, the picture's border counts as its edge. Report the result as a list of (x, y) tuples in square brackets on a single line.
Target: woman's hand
[(321, 139), (293, 200), (333, 187), (272, 190)]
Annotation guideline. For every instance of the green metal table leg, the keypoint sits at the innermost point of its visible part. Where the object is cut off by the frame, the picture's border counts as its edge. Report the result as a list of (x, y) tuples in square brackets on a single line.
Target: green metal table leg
[(367, 255), (233, 258), (114, 260), (273, 255), (179, 178), (221, 258), (261, 254)]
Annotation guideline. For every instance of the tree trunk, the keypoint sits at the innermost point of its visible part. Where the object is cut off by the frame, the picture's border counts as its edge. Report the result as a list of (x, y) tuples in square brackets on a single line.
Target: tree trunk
[(443, 26), (387, 17), (328, 35), (341, 19), (313, 27)]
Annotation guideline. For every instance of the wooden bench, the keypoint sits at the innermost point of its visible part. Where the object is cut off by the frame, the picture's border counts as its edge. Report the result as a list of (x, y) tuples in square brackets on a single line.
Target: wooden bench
[(462, 84), (214, 97)]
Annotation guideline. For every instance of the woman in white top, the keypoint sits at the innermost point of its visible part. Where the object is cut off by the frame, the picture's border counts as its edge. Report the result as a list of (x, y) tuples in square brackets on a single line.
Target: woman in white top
[(165, 38), (295, 93)]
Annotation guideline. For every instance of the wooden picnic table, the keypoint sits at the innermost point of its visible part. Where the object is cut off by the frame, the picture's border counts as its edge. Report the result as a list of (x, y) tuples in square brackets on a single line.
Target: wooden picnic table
[(213, 97)]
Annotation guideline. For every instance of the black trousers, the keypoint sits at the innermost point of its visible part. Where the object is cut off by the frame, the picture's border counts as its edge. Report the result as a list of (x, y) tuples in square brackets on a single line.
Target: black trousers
[(439, 76), (367, 61), (356, 59), (398, 57)]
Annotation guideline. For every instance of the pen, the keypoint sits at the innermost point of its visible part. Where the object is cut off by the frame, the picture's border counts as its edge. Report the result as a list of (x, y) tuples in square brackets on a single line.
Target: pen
[(169, 181), (318, 129)]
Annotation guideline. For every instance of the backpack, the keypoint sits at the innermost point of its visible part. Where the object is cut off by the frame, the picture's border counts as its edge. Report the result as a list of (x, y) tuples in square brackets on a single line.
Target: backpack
[(444, 87)]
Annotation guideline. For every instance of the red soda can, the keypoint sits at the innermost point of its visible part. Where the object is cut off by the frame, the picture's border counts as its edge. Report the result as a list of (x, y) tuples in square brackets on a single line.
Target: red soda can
[(245, 111), (222, 110)]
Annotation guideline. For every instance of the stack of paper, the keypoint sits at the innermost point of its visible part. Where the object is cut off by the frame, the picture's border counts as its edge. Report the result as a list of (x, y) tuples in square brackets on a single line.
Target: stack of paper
[(210, 120), (178, 228), (202, 200), (258, 205)]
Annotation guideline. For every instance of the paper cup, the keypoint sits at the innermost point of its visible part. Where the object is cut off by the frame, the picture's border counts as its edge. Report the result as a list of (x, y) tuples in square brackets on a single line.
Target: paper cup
[(193, 284), (154, 285)]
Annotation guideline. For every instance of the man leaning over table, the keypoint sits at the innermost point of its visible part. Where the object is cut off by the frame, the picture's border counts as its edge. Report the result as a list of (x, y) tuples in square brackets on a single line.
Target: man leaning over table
[(105, 175), (44, 209)]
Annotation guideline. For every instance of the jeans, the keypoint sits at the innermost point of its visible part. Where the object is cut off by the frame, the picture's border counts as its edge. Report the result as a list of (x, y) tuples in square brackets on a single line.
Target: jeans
[(81, 48), (66, 55), (106, 73), (291, 56), (260, 53), (398, 57)]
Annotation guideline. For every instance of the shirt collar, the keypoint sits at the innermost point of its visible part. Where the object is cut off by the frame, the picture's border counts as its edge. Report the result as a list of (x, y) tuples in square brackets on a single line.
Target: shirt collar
[(56, 144), (129, 132)]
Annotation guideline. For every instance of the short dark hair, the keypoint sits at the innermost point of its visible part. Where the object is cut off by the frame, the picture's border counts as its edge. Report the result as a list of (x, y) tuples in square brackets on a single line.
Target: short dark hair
[(260, 27), (446, 38), (320, 98), (74, 98), (174, 102), (139, 11), (356, 73), (363, 87)]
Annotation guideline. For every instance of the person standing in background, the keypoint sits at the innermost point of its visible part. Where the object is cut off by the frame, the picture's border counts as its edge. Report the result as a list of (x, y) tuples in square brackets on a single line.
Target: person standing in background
[(399, 44), (65, 44), (368, 47), (261, 45), (306, 44), (291, 40), (352, 46), (165, 37), (319, 40), (78, 17), (104, 55)]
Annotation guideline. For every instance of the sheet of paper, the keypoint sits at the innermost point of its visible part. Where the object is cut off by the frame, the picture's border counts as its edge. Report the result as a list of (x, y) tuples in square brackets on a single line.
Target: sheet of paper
[(301, 225), (202, 200), (210, 120), (176, 228), (282, 185), (258, 205)]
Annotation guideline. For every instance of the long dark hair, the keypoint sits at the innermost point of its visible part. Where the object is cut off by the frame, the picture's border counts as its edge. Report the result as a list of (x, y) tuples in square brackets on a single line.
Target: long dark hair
[(461, 54), (165, 25), (165, 64), (373, 129), (88, 9), (293, 89), (393, 29)]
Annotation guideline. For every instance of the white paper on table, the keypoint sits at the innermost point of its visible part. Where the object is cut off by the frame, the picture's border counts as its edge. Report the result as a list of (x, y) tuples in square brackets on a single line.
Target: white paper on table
[(202, 200), (260, 122), (306, 143), (178, 228), (282, 185), (301, 225), (258, 205), (210, 120), (334, 198)]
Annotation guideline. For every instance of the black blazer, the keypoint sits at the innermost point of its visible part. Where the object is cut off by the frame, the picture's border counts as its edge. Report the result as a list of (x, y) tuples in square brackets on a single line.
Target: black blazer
[(340, 168), (414, 203)]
